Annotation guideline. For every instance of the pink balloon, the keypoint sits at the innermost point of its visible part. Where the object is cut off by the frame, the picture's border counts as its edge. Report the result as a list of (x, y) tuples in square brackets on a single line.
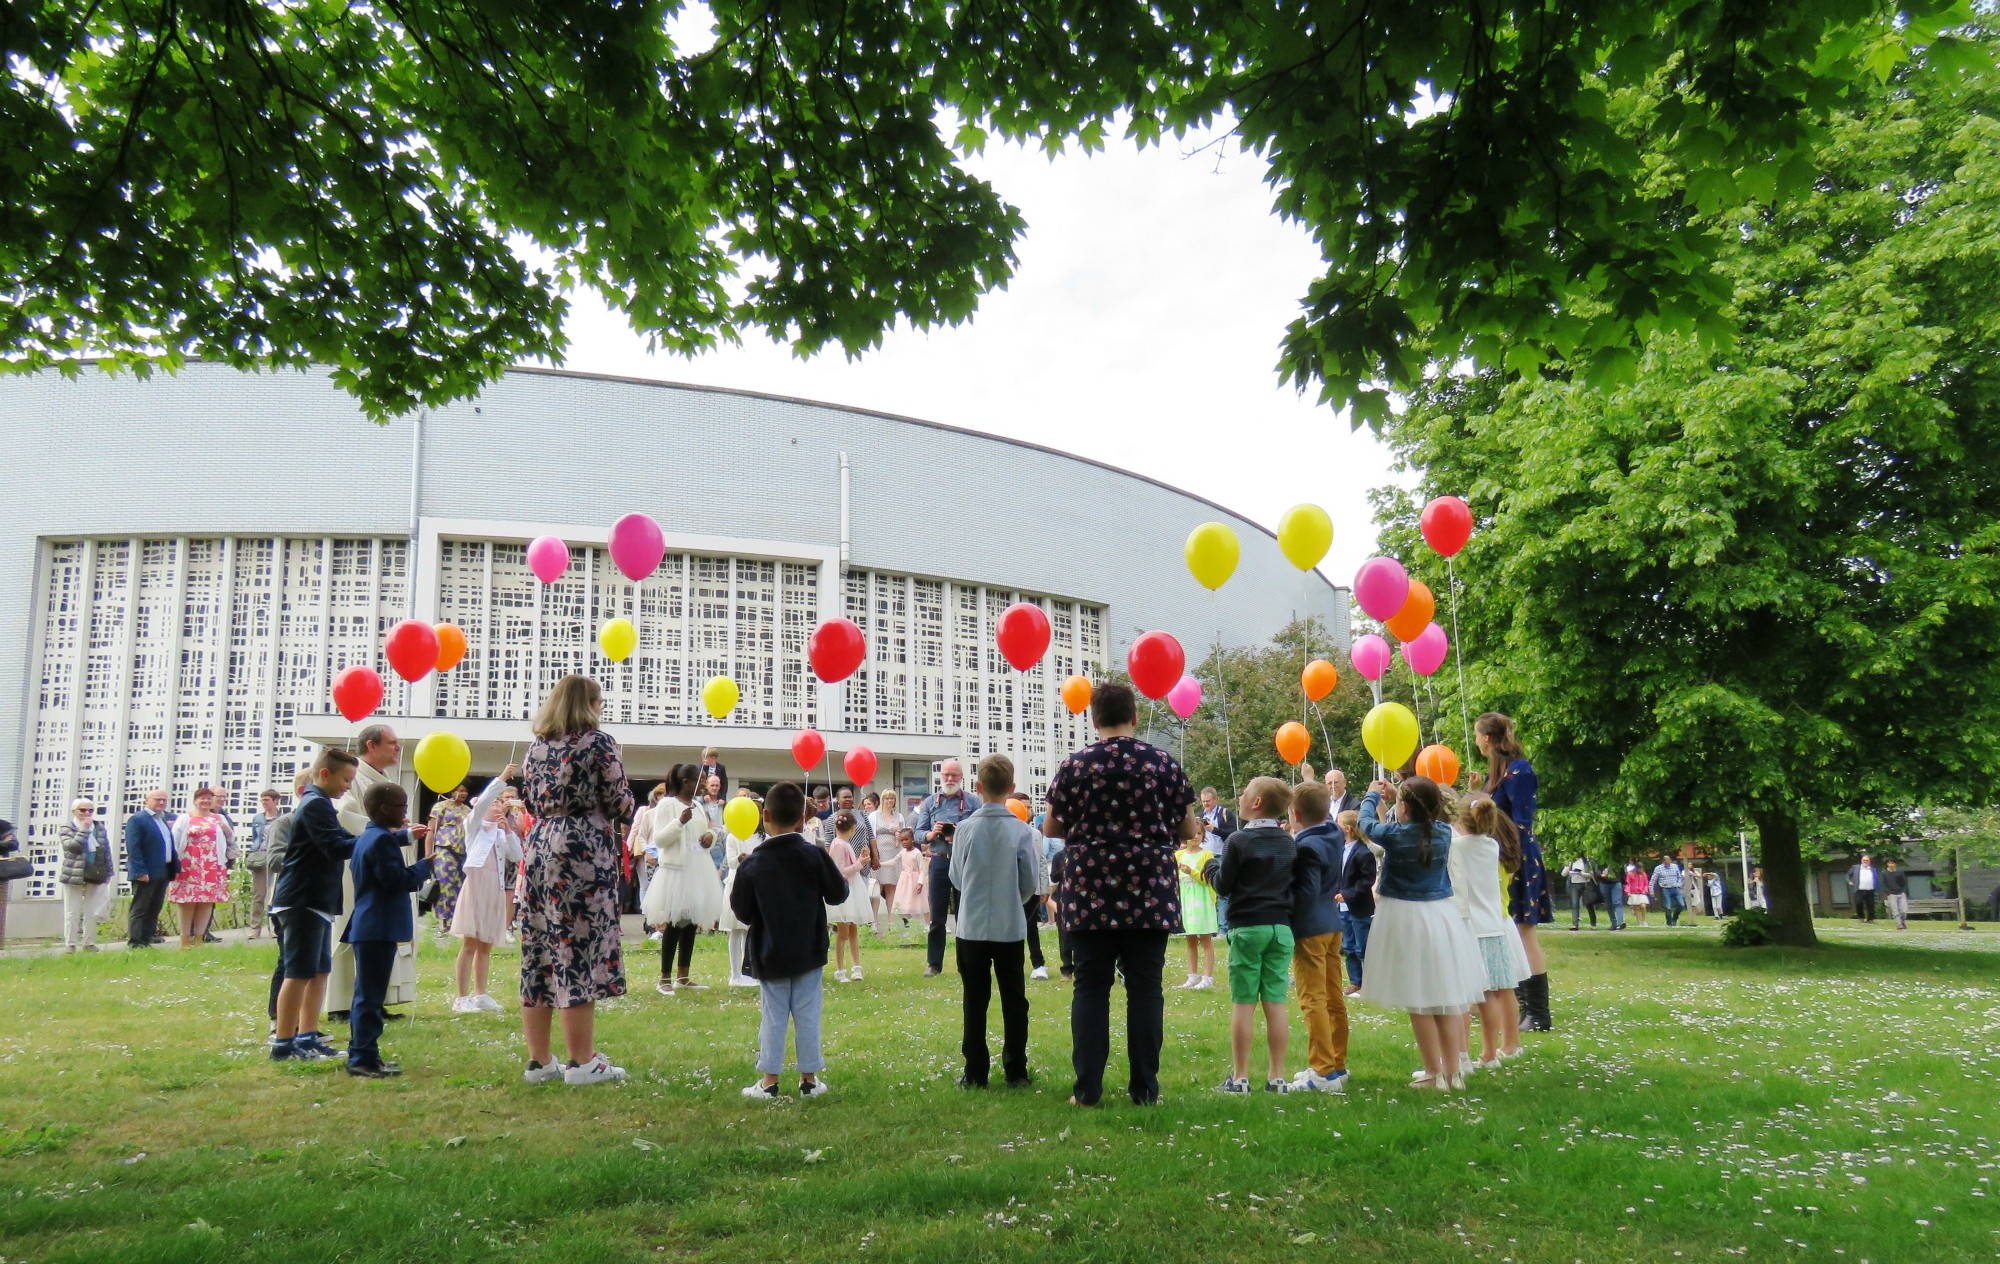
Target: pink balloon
[(1426, 653), (1380, 587), (1185, 696), (1370, 656), (548, 557), (637, 544)]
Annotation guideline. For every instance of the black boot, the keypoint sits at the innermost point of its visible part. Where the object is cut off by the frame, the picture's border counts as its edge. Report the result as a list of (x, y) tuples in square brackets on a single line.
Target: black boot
[(1538, 997), (1525, 1003)]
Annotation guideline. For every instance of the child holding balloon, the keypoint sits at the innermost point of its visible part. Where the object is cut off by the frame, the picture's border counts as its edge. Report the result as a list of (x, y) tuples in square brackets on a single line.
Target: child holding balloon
[(685, 895), (1198, 920), (846, 915)]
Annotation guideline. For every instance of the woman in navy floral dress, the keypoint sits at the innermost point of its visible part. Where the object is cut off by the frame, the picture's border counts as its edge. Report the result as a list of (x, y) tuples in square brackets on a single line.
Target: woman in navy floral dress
[(1510, 779), (571, 954)]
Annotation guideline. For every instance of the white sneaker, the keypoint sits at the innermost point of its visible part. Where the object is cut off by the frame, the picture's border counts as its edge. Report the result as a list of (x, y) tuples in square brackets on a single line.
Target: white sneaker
[(1207, 983), (596, 1071), (545, 1074), (854, 975), (760, 1092), (840, 976), (1311, 1081), (464, 1005), (1039, 972), (487, 1005), (653, 937), (815, 1088), (1491, 1064), (1466, 1065), (743, 981)]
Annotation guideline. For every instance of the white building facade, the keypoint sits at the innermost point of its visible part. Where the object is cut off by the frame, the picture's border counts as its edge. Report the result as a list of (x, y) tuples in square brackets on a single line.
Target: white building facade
[(188, 560)]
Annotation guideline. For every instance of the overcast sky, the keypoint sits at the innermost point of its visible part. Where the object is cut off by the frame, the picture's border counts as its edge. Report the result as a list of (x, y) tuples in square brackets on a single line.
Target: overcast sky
[(1141, 329)]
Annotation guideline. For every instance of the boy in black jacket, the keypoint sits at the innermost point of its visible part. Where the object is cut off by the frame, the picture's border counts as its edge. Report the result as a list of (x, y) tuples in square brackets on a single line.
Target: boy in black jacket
[(1255, 873), (305, 902), (781, 893)]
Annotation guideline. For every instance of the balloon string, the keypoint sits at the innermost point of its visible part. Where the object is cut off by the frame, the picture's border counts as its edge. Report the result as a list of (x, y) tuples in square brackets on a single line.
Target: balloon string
[(1323, 734), (1222, 698), (1375, 686), (1458, 653)]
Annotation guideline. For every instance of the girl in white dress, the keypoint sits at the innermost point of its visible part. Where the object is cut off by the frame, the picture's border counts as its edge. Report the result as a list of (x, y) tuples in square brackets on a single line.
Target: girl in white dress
[(481, 915), (685, 896), (1485, 848), (846, 917), (739, 934)]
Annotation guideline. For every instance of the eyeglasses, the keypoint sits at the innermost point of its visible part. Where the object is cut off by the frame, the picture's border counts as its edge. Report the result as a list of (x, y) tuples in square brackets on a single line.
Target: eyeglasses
[(86, 809)]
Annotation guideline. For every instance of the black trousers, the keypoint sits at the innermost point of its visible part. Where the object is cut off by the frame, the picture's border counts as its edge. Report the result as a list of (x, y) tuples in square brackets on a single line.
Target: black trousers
[(278, 969), (1864, 905), (142, 922), (374, 961), (677, 939), (1033, 908), (940, 893), (1141, 955), (983, 963), (1063, 951)]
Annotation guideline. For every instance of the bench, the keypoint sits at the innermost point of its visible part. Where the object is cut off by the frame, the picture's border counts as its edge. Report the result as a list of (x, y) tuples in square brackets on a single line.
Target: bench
[(1936, 906)]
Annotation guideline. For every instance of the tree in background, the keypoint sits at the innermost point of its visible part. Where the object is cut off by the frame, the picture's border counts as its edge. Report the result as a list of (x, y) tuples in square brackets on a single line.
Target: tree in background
[(409, 191), (1760, 583)]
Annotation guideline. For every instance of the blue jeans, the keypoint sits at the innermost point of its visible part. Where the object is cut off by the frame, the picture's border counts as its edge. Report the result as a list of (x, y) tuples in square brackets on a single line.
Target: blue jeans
[(1613, 894), (374, 961), (798, 999), (1354, 942), (939, 890), (1673, 900)]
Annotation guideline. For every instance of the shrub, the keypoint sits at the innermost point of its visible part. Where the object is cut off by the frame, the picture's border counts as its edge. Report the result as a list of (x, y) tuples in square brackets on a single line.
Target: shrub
[(1747, 929)]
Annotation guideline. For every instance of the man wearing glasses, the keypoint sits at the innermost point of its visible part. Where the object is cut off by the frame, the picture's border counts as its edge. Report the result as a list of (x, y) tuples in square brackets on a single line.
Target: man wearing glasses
[(947, 807)]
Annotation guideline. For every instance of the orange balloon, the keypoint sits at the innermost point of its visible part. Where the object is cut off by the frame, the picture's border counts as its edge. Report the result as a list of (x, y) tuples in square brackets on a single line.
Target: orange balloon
[(1439, 763), (1076, 694), (1019, 809), (1292, 741), (1319, 678), (1409, 622), (451, 645)]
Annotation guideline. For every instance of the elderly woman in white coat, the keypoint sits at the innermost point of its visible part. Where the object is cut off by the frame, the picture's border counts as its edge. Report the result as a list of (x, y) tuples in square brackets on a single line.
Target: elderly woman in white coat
[(85, 875), (480, 917)]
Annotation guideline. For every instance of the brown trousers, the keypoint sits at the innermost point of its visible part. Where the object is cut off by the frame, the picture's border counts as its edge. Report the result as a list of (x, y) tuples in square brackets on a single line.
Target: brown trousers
[(1322, 1001)]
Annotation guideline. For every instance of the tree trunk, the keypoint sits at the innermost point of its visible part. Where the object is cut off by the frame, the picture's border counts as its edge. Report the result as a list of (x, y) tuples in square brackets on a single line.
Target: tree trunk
[(1785, 880)]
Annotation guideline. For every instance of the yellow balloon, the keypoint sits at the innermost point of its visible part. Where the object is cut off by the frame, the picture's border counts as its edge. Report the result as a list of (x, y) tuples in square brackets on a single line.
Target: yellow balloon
[(618, 639), (1305, 533), (1390, 734), (719, 696), (742, 817), (1212, 551), (442, 760)]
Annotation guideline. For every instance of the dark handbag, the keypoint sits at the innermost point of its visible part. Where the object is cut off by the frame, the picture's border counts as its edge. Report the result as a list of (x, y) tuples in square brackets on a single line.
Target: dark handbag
[(14, 868)]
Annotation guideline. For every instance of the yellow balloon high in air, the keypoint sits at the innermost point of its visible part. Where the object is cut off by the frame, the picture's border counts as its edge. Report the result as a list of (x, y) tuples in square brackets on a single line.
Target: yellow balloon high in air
[(742, 817), (1390, 734), (442, 760), (720, 696), (618, 638), (1305, 533), (1212, 552)]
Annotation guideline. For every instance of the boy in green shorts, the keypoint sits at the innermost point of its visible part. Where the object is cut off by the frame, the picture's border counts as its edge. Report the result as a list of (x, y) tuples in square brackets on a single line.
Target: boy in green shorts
[(1255, 874)]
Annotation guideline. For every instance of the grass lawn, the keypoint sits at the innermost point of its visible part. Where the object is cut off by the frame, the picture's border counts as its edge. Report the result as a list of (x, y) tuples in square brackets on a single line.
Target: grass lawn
[(1695, 1103)]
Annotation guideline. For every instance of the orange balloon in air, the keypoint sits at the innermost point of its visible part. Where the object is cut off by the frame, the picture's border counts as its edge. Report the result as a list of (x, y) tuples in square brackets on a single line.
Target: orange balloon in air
[(1019, 809), (451, 645), (1076, 694), (1409, 622), (1292, 741), (1439, 763), (1319, 678)]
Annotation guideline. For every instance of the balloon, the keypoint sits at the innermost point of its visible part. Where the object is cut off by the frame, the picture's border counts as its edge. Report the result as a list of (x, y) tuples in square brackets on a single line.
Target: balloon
[(1380, 587), (412, 649), (1292, 741), (1023, 634), (1390, 734), (1318, 679), (836, 650), (1426, 654), (637, 544), (808, 748), (618, 638), (1416, 613), (442, 760), (1212, 552), (1446, 524), (1370, 656), (1155, 663), (1305, 533), (720, 696), (742, 817), (1019, 809), (1439, 763), (548, 557), (1076, 694), (451, 645), (1185, 696), (357, 691), (860, 765)]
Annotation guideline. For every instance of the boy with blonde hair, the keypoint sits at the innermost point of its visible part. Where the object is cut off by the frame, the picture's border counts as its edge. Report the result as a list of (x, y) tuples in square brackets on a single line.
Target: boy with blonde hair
[(1255, 874)]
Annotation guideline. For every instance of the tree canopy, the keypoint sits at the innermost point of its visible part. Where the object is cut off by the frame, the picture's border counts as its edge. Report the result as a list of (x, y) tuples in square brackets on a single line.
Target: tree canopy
[(407, 191), (1758, 583)]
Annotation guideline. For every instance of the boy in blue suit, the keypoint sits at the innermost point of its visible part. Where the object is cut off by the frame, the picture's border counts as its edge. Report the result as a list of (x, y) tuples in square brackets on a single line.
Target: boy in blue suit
[(381, 920)]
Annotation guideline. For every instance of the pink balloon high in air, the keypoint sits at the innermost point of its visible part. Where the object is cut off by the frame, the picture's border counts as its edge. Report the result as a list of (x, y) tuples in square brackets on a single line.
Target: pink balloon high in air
[(1185, 696), (1371, 656), (1426, 653), (637, 544), (548, 557), (1380, 587)]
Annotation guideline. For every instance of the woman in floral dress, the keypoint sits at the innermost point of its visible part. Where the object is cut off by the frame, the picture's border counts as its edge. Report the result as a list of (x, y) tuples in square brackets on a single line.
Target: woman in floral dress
[(571, 956), (447, 849), (201, 840)]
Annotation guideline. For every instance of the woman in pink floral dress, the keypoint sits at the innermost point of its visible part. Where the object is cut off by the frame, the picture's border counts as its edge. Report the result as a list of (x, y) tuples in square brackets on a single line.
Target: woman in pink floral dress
[(201, 842), (571, 955)]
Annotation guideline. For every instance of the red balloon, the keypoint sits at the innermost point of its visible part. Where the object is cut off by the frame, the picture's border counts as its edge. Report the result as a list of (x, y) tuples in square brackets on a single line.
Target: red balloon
[(1447, 525), (836, 650), (1156, 664), (860, 765), (1023, 634), (412, 649), (808, 747), (357, 691)]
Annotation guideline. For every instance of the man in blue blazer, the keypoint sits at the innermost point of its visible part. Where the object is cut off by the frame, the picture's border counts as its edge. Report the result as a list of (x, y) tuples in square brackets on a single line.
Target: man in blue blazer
[(151, 864), (381, 920)]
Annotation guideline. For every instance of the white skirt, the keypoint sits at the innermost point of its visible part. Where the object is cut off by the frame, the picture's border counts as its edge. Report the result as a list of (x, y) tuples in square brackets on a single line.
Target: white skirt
[(855, 908), (688, 894), (1421, 957)]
